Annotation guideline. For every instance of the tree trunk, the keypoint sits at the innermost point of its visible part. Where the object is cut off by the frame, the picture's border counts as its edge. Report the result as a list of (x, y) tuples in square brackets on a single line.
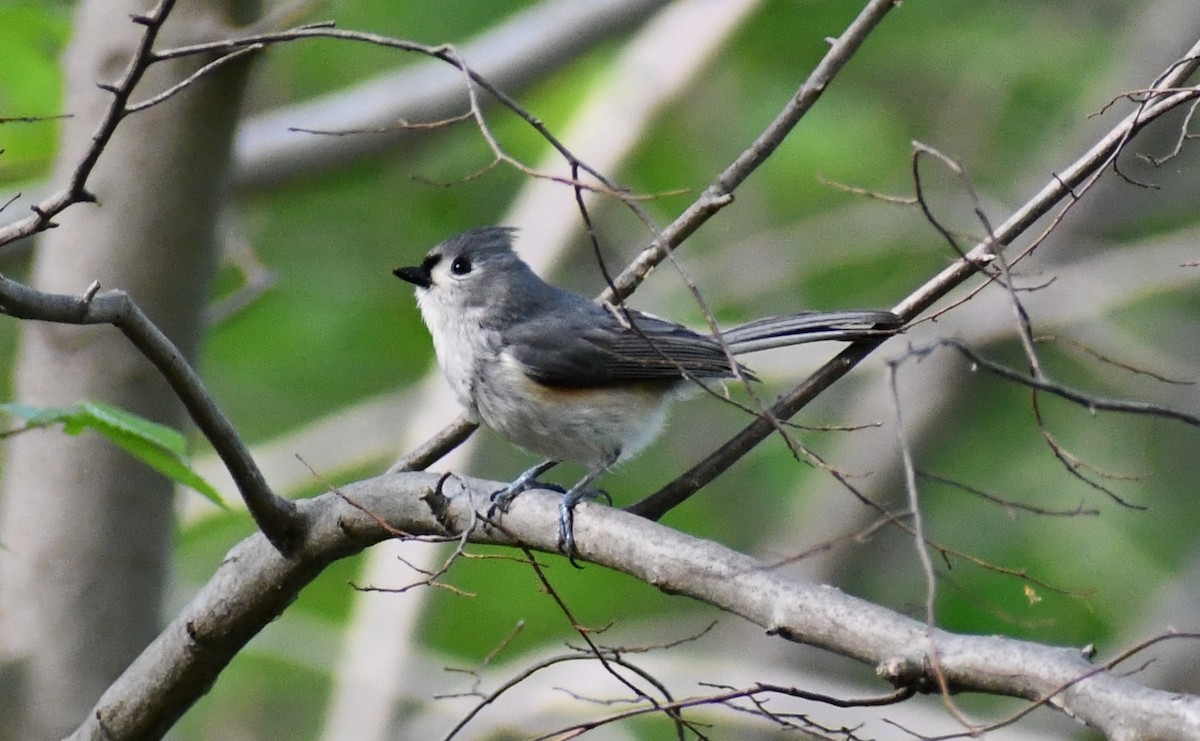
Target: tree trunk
[(85, 527)]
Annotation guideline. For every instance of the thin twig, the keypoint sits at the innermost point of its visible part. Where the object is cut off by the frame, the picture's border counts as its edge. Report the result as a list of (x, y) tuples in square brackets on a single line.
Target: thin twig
[(1089, 402), (761, 688), (76, 189), (922, 545), (584, 633), (1109, 360), (187, 81), (719, 192), (1009, 504), (1060, 188)]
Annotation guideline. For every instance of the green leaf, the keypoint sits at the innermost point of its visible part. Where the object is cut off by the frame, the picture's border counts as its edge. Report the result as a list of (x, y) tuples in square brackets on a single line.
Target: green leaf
[(162, 448), (167, 438)]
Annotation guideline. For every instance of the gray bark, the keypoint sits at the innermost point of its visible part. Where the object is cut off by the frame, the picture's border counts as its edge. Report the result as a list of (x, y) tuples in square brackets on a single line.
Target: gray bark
[(254, 584), (86, 527)]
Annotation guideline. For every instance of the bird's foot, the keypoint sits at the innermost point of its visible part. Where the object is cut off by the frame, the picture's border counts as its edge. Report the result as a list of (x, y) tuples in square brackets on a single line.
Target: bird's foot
[(566, 518), (502, 498)]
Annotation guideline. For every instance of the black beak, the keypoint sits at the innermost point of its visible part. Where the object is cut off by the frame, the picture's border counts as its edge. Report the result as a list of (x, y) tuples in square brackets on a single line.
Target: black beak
[(418, 276)]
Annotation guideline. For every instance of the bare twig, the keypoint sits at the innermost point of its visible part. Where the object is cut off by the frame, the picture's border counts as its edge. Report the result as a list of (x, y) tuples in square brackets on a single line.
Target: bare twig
[(719, 192), (33, 119), (1024, 324), (1089, 402), (444, 52), (730, 694), (190, 79), (76, 189), (1184, 136), (1060, 188), (717, 195), (1009, 504), (1107, 360), (430, 451), (922, 546), (593, 649), (1072, 463)]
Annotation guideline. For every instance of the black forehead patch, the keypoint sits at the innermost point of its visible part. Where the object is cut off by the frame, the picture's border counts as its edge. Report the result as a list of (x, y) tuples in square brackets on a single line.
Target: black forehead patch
[(432, 259)]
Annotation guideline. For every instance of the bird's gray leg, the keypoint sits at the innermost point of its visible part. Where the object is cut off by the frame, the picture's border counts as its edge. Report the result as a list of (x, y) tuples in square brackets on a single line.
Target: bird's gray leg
[(566, 508), (501, 498)]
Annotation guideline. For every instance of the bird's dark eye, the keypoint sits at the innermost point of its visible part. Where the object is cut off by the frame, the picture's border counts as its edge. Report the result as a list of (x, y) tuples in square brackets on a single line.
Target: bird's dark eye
[(460, 266)]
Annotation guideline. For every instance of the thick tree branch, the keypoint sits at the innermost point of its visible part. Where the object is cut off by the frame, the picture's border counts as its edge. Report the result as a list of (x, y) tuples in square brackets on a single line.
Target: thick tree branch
[(254, 584)]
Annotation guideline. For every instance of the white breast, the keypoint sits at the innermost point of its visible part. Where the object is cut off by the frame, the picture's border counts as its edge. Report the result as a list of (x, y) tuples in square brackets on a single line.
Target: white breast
[(461, 347)]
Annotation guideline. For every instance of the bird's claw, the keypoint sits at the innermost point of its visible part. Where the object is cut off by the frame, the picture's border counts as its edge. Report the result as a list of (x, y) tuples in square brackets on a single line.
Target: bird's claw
[(502, 498), (566, 519)]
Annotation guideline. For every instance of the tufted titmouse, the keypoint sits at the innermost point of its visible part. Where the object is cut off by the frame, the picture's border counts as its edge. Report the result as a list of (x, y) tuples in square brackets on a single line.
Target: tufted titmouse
[(564, 377)]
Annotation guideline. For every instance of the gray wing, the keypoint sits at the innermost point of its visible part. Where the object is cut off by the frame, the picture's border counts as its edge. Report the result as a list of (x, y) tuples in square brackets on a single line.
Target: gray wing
[(589, 347)]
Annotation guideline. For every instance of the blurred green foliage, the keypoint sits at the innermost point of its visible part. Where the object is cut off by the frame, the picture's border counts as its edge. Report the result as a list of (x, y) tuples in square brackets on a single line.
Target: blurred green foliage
[(31, 35)]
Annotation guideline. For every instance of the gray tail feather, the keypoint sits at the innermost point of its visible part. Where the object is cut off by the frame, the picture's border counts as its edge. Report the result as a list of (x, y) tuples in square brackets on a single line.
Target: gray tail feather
[(810, 326)]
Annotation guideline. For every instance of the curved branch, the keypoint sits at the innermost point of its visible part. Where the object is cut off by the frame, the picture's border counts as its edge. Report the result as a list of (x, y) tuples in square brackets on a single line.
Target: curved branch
[(254, 584), (443, 52), (276, 516), (513, 55)]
